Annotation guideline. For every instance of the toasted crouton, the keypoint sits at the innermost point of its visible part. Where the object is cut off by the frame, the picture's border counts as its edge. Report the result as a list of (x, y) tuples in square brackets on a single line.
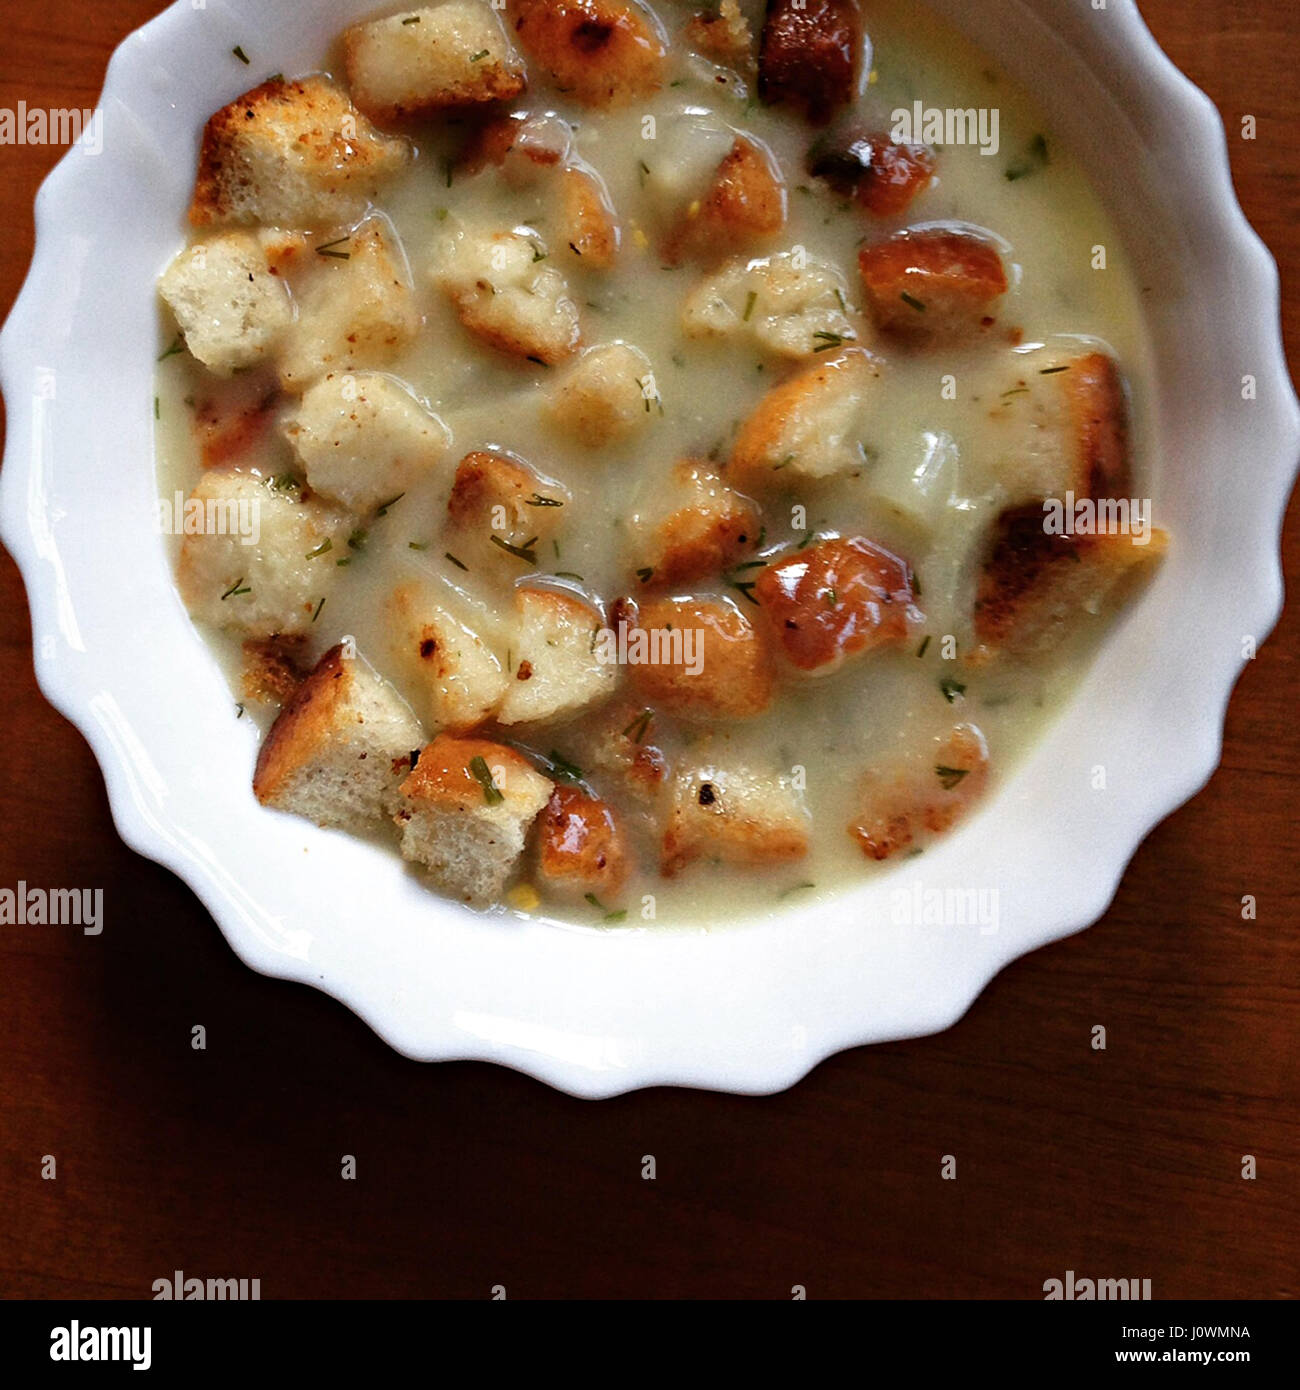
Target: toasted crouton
[(610, 392), (524, 145), (809, 55), (272, 669), (839, 598), (454, 55), (601, 52), (725, 36), (356, 308), (921, 796), (582, 846), (933, 286), (292, 154), (879, 173), (229, 431), (736, 815), (364, 439), (590, 229), (558, 670), (231, 307), (1035, 586), (746, 204), (791, 304), (257, 559), (622, 741), (696, 657), (339, 748), (709, 528), (500, 509), (809, 427), (1060, 426), (460, 678), (465, 811), (506, 292)]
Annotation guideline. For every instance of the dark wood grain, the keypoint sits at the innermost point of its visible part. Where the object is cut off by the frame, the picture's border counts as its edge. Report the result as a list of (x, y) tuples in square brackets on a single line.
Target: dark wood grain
[(226, 1162)]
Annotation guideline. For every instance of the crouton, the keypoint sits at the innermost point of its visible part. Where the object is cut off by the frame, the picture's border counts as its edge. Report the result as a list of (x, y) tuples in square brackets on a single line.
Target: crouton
[(465, 812), (582, 846), (746, 204), (453, 56), (558, 669), (1035, 587), (460, 679), (272, 669), (590, 230), (838, 598), (292, 154), (880, 174), (228, 432), (933, 286), (921, 796), (521, 144), (1061, 425), (809, 427), (809, 55), (230, 306), (710, 528), (601, 52), (258, 560), (364, 439), (696, 657), (791, 304), (500, 510), (507, 293), (356, 307), (725, 36), (622, 741), (339, 748), (609, 393), (736, 815)]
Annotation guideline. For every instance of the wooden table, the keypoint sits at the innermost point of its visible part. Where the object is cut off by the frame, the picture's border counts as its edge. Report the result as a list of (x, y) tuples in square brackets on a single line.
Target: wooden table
[(226, 1162)]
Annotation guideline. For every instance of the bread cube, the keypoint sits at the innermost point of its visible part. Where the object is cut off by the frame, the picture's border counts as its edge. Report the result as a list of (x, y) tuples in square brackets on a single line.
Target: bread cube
[(228, 431), (557, 670), (273, 669), (461, 679), (524, 146), (695, 657), (933, 287), (745, 205), (582, 846), (454, 55), (591, 232), (609, 393), (339, 748), (710, 528), (600, 52), (840, 598), (622, 741), (507, 293), (725, 36), (791, 304), (921, 796), (809, 427), (809, 56), (738, 815), (364, 439), (294, 155), (465, 812), (877, 172), (258, 559), (500, 510), (356, 308)]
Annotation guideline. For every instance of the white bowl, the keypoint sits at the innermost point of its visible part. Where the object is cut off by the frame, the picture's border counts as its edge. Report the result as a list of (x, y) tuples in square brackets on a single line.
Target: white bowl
[(750, 1008)]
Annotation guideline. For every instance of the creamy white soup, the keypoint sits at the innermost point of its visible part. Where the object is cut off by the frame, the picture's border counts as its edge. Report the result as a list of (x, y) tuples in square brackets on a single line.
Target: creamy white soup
[(648, 464)]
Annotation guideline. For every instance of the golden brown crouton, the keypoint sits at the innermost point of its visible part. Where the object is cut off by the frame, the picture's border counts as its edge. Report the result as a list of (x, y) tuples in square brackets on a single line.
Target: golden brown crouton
[(522, 143), (601, 52), (453, 56), (499, 507), (725, 36), (880, 174), (609, 393), (272, 670), (809, 55), (735, 815), (558, 667), (589, 228), (1035, 586), (933, 286), (582, 846), (623, 742), (338, 748), (838, 598), (922, 796), (709, 529), (745, 204), (809, 427), (292, 154), (696, 657), (227, 433)]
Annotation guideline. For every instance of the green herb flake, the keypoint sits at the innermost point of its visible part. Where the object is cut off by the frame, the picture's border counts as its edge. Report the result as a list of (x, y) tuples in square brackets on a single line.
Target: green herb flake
[(460, 564), (794, 888), (330, 248), (392, 502), (483, 775), (524, 552), (240, 54), (323, 548), (749, 304), (319, 606), (951, 688), (640, 726), (1035, 157), (949, 777), (912, 302), (924, 647), (563, 769), (178, 345)]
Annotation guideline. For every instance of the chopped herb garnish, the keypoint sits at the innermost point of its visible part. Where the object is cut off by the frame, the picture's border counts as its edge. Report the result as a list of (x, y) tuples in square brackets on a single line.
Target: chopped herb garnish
[(178, 345), (239, 711), (1035, 157), (480, 55), (749, 304), (235, 589), (537, 500), (157, 408), (638, 728), (1052, 371), (417, 545), (600, 907), (785, 463), (951, 689), (322, 549), (240, 54), (460, 564), (491, 792), (950, 776), (924, 647), (562, 768), (794, 888), (645, 575), (357, 540), (414, 19), (829, 340), (912, 303), (319, 606), (392, 502), (330, 248), (569, 574), (520, 552), (1016, 391)]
